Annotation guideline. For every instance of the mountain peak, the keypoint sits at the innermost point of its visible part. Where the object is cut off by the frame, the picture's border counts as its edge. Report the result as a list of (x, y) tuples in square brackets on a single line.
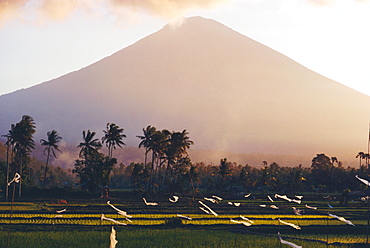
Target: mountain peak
[(194, 20), (197, 23), (228, 91)]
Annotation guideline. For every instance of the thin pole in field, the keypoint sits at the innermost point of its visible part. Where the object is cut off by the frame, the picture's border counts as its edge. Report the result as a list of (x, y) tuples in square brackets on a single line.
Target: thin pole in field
[(278, 235), (7, 169), (368, 150), (102, 229), (11, 215), (327, 234), (368, 219), (280, 244)]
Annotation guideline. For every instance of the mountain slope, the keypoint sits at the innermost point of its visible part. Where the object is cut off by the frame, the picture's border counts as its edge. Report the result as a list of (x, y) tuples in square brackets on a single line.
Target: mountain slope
[(230, 93)]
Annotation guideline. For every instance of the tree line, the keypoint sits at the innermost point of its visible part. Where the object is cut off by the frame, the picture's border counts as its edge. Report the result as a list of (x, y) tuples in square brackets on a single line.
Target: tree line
[(167, 168), (93, 168), (324, 175)]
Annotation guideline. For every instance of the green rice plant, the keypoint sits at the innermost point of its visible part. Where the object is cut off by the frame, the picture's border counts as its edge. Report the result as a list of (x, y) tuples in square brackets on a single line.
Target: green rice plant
[(158, 219), (332, 238), (178, 237), (19, 206)]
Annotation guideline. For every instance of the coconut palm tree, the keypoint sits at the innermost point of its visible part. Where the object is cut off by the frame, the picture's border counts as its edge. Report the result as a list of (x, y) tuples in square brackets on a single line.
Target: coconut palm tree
[(51, 145), (157, 145), (361, 155), (176, 147), (146, 140), (179, 143), (21, 135), (367, 157), (8, 145), (113, 136), (89, 145), (153, 141)]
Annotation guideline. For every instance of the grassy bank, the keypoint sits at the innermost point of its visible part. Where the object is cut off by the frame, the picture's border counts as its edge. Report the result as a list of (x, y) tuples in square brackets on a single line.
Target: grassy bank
[(146, 237)]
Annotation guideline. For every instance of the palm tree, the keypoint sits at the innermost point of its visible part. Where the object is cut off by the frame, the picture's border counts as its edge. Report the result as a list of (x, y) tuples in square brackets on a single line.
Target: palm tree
[(158, 145), (367, 157), (113, 136), (21, 135), (179, 143), (176, 146), (146, 140), (89, 145), (8, 144), (154, 141), (361, 155), (148, 143), (51, 145)]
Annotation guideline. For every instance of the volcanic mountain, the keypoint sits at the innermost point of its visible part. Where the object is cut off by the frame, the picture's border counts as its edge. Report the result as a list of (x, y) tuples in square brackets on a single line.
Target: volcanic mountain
[(228, 91)]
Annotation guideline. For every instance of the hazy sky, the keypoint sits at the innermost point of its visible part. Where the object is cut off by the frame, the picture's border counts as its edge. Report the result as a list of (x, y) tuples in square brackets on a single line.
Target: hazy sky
[(44, 39)]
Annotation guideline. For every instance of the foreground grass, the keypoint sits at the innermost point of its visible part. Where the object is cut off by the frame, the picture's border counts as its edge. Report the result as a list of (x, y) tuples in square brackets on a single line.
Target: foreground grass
[(36, 224), (178, 237)]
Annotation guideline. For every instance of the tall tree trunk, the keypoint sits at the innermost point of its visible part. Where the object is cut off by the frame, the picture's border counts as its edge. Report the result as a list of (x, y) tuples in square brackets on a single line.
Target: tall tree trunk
[(20, 173), (46, 166), (110, 151), (7, 171), (146, 156), (192, 187), (150, 188), (165, 176), (155, 174)]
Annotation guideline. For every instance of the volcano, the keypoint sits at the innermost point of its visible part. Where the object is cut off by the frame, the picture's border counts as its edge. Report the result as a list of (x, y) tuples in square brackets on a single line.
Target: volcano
[(228, 91)]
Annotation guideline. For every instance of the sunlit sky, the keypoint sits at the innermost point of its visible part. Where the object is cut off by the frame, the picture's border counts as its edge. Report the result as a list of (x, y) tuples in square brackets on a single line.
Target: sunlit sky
[(44, 39)]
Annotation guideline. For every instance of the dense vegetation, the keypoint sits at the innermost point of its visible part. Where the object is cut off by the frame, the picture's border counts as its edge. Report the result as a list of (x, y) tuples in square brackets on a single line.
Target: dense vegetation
[(167, 168)]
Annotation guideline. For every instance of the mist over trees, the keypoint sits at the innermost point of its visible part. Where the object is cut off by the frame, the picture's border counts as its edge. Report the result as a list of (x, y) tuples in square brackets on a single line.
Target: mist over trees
[(167, 167)]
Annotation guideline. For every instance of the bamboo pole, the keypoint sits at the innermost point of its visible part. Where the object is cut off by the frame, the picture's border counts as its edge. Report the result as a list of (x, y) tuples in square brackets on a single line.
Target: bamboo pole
[(7, 169)]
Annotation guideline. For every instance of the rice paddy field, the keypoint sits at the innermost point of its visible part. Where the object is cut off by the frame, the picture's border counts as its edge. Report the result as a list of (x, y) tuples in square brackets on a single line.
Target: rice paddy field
[(251, 222)]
